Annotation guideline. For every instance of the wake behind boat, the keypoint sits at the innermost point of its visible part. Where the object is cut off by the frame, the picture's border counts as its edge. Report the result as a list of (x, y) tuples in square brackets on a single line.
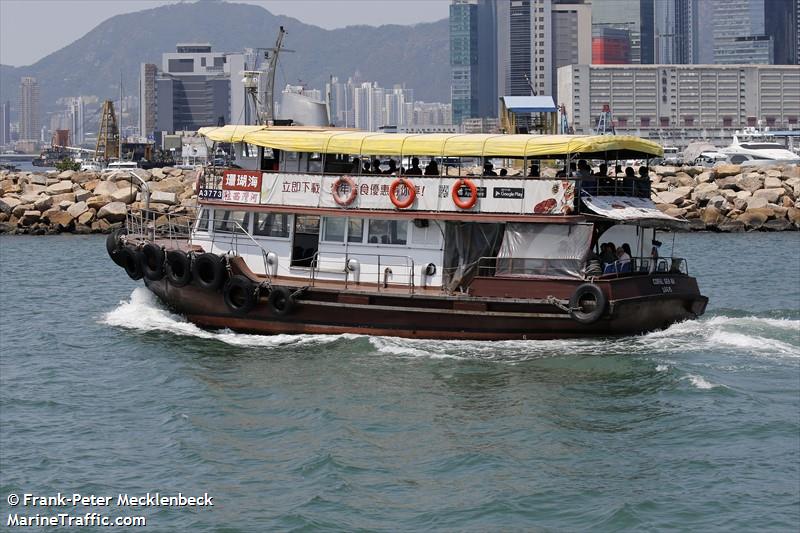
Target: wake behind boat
[(304, 239)]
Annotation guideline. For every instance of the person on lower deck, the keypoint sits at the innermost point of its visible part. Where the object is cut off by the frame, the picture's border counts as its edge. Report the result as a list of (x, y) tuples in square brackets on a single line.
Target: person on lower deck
[(414, 170)]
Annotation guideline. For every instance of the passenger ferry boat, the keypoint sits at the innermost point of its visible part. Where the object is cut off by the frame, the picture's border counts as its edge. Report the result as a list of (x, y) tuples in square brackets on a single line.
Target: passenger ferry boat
[(301, 240)]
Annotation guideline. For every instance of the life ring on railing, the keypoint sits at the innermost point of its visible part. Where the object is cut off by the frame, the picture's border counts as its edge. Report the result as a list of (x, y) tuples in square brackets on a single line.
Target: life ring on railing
[(178, 267), (588, 303), (208, 271), (464, 203), (152, 257), (412, 193), (240, 294), (346, 200)]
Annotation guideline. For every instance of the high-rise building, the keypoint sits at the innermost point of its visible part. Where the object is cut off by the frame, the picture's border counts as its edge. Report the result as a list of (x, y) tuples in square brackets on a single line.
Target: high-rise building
[(76, 120), (194, 88), (572, 35), (755, 31), (524, 47), (635, 16), (473, 44), (5, 123), (30, 124), (611, 46)]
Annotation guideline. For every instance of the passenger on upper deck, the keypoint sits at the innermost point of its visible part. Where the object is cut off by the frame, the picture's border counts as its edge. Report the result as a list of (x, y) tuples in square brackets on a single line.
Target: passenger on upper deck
[(366, 169), (376, 166), (588, 181), (392, 167), (414, 170), (642, 186), (356, 165), (432, 169), (487, 169), (503, 172), (534, 171)]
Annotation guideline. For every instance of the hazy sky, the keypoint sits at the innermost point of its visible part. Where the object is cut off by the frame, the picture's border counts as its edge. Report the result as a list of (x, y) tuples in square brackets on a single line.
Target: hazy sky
[(31, 29)]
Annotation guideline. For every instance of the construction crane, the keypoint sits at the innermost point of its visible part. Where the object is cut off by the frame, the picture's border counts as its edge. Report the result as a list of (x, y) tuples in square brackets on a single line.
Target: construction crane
[(108, 134)]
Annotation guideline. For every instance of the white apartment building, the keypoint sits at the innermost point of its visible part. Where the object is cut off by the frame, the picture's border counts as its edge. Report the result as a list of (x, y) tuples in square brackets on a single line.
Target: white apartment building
[(681, 101)]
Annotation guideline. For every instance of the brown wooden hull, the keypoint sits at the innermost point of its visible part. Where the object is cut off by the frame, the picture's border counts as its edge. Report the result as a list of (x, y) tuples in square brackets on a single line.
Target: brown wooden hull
[(636, 305)]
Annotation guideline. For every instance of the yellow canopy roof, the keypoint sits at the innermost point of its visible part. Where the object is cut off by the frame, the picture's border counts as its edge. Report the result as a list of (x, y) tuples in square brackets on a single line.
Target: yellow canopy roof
[(333, 141)]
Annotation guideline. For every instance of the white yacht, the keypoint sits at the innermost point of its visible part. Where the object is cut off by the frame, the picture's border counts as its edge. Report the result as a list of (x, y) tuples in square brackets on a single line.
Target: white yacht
[(752, 147)]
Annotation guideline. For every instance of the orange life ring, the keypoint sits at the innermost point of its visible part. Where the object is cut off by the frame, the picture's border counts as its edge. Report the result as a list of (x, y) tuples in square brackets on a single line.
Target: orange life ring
[(347, 200), (464, 203), (412, 193)]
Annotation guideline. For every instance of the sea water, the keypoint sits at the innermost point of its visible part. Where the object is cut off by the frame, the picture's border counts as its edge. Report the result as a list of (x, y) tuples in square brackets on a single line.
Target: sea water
[(105, 392)]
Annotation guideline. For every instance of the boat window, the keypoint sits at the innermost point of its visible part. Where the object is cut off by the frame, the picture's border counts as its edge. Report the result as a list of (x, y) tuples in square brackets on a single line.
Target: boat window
[(333, 229), (355, 230), (249, 150), (550, 250), (202, 220), (271, 224), (308, 224), (231, 221), (388, 232)]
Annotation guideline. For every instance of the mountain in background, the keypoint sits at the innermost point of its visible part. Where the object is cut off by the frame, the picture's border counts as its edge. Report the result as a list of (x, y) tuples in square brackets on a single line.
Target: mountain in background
[(416, 55)]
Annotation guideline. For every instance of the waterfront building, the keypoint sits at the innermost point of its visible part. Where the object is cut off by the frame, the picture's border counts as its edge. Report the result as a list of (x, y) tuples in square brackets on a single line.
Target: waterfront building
[(5, 123), (195, 87), (30, 125), (473, 49), (681, 101)]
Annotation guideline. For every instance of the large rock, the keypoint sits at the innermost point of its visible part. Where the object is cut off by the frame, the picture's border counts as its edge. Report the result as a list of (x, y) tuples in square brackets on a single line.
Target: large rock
[(21, 208), (704, 191), (771, 195), (82, 177), (66, 175), (729, 182), (43, 203), (793, 215), (778, 224), (661, 186), (710, 216), (752, 219), (33, 188), (771, 182), (731, 226), (113, 212), (704, 177), (37, 179), (756, 203), (105, 188), (86, 217), (82, 195), (173, 185), (723, 171), (685, 180), (60, 187), (61, 220), (157, 173), (96, 202), (693, 171), (721, 203), (30, 217), (9, 186), (163, 197), (668, 197), (676, 212), (751, 182), (8, 203), (77, 209), (768, 212), (66, 197), (176, 172), (125, 195)]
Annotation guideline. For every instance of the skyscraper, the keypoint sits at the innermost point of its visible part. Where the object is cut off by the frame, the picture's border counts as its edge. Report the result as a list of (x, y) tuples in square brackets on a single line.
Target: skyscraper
[(755, 31), (473, 46), (76, 120), (635, 16), (5, 123), (524, 47), (30, 124)]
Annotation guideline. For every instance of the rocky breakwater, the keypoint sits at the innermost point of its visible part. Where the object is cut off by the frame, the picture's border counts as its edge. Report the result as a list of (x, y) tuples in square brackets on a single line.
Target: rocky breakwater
[(730, 198), (89, 202)]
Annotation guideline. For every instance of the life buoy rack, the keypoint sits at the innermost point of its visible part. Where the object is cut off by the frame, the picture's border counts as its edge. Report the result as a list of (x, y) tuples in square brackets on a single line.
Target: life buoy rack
[(412, 193), (588, 303), (344, 200), (464, 203)]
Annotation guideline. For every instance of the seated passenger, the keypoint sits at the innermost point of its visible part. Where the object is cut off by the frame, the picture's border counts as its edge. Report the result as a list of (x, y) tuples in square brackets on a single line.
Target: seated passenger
[(356, 166), (432, 169), (628, 182), (534, 171), (414, 170), (623, 258), (487, 169), (376, 166), (366, 169), (588, 181), (608, 254), (642, 185), (503, 172), (392, 167)]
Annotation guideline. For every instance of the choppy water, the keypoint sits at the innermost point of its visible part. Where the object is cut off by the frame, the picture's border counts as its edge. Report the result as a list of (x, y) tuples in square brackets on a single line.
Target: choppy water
[(103, 391)]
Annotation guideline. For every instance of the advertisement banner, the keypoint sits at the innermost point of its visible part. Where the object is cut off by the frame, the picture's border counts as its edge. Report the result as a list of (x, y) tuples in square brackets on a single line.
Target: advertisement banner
[(242, 186)]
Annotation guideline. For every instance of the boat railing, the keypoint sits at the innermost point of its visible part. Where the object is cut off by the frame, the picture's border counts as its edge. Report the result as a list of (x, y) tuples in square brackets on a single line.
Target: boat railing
[(175, 231), (554, 267), (352, 266)]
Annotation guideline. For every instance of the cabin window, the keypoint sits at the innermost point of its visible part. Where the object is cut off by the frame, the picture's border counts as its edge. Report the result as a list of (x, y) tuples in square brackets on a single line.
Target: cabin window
[(271, 224), (249, 150), (231, 221), (333, 229), (202, 220), (388, 232), (355, 230)]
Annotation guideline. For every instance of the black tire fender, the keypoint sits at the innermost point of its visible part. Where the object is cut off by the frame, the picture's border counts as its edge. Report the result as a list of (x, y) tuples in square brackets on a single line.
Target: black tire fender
[(208, 271), (113, 245), (588, 303), (240, 294), (280, 301), (131, 262), (178, 267), (152, 261)]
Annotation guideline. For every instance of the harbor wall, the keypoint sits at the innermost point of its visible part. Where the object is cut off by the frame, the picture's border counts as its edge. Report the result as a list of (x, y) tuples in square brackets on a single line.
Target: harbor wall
[(728, 198)]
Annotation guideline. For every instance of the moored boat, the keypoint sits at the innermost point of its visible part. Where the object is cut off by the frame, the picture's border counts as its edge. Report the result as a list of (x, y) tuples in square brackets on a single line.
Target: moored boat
[(301, 239)]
